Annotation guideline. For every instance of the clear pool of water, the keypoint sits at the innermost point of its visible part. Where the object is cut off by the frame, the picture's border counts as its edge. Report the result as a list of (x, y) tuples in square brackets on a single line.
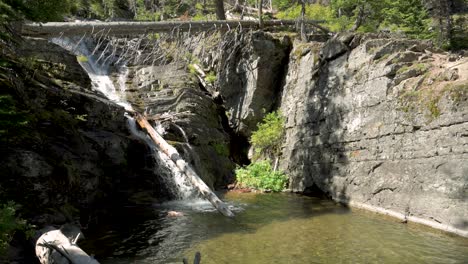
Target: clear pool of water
[(268, 228)]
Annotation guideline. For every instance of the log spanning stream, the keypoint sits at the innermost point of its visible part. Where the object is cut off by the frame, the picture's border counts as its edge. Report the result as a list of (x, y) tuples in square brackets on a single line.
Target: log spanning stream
[(268, 228)]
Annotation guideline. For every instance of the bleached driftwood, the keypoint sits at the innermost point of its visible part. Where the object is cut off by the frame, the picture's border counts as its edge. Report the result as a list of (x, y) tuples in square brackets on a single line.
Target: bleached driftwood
[(53, 247), (184, 167)]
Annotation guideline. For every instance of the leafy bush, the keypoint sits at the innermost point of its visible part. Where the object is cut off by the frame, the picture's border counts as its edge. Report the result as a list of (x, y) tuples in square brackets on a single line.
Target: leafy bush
[(269, 135), (10, 223), (260, 175)]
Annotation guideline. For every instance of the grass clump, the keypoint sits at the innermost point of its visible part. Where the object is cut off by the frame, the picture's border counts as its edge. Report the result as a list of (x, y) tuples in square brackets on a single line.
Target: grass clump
[(210, 78), (419, 67), (260, 175), (192, 69), (421, 100), (457, 93)]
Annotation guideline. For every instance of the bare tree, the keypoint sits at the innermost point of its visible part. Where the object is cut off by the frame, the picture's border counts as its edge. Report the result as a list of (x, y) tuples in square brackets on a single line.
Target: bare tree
[(220, 15), (260, 13), (303, 36)]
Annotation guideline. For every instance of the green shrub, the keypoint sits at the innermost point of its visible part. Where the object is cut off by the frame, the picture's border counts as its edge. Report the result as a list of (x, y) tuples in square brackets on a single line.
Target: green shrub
[(260, 175), (269, 135), (10, 223)]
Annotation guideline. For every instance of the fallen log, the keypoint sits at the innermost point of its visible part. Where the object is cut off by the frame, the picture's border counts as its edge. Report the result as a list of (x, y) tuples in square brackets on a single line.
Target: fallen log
[(56, 29), (184, 167), (53, 247)]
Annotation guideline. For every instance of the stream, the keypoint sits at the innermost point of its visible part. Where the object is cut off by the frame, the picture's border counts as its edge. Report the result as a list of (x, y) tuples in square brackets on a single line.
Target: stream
[(268, 228)]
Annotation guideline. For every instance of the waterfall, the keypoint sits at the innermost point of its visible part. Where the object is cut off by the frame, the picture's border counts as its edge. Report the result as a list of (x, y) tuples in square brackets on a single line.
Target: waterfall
[(99, 71)]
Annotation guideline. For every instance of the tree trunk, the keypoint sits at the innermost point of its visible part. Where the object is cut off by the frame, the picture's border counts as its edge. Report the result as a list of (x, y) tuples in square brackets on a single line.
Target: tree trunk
[(359, 19), (184, 167), (303, 35), (260, 14), (220, 10), (53, 247)]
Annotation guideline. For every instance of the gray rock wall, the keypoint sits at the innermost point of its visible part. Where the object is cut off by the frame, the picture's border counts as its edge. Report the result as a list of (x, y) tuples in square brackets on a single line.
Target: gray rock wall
[(169, 94), (250, 76), (376, 123)]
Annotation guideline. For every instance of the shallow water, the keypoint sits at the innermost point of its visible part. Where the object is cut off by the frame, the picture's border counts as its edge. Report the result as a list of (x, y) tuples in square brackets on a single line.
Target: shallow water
[(269, 228)]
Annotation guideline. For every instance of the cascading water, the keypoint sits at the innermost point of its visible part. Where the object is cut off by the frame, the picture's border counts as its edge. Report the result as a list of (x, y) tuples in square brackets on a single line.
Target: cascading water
[(98, 70)]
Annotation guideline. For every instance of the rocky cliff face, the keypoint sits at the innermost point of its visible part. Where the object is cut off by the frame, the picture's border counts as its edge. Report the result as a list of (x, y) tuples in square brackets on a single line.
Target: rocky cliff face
[(376, 122), (250, 73), (75, 153), (380, 123), (172, 97)]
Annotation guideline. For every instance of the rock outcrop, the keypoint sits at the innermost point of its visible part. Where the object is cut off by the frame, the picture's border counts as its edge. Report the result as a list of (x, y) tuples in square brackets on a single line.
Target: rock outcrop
[(190, 119), (74, 152), (375, 122), (382, 124)]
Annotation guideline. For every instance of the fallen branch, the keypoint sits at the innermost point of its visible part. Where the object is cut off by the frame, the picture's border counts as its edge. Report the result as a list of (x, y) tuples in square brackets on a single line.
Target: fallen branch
[(184, 167)]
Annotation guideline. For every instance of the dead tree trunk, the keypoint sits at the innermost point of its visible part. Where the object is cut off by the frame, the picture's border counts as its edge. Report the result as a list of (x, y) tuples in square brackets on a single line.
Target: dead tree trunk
[(260, 14), (53, 247), (220, 10), (303, 35), (172, 153), (359, 19)]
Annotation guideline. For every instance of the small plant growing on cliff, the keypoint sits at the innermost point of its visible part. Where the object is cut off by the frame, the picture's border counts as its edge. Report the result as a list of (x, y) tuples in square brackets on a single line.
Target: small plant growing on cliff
[(10, 223), (210, 78), (260, 175), (82, 58), (269, 135), (221, 149), (457, 92)]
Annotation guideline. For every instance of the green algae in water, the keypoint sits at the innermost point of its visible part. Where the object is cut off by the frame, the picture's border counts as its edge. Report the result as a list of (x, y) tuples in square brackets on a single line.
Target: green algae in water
[(278, 228)]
